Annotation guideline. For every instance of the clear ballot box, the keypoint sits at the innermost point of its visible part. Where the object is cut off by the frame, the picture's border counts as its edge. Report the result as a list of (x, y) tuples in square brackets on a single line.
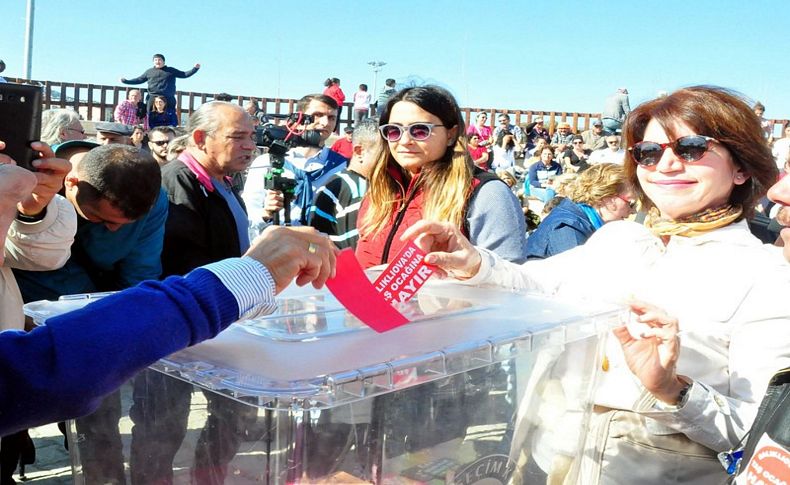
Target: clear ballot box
[(484, 386)]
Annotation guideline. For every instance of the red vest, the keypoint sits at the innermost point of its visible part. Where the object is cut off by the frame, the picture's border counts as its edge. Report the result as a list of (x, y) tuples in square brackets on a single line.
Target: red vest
[(380, 248)]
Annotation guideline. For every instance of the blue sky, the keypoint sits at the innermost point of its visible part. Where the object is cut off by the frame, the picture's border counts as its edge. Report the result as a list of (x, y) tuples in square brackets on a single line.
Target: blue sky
[(522, 54)]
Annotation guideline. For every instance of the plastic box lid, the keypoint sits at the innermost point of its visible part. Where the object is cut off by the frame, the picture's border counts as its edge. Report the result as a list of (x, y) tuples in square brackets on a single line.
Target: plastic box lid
[(312, 353)]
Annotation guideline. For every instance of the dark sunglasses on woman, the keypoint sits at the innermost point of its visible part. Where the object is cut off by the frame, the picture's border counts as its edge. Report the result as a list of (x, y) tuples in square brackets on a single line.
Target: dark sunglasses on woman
[(689, 148)]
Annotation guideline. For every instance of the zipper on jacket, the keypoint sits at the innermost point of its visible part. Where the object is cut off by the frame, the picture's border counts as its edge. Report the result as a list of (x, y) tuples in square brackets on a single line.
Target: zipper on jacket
[(395, 225)]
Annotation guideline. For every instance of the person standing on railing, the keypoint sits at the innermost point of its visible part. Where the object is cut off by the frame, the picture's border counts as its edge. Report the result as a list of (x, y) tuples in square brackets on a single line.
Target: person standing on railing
[(161, 81), (615, 110), (333, 91)]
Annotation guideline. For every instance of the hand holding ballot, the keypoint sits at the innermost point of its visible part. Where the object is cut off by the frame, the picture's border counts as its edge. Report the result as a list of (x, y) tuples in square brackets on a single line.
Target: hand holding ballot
[(448, 250), (300, 253)]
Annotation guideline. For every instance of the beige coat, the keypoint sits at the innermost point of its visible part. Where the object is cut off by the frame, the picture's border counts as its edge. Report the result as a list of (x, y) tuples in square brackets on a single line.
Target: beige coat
[(38, 246), (731, 295)]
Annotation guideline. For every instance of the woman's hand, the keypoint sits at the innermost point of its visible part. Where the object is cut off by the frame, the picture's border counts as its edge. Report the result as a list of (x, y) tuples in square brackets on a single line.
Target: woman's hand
[(653, 357), (448, 249)]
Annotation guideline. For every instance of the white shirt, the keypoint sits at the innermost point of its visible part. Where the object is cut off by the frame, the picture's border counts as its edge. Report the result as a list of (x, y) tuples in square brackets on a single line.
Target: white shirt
[(606, 155), (254, 194), (780, 151), (362, 100), (730, 293)]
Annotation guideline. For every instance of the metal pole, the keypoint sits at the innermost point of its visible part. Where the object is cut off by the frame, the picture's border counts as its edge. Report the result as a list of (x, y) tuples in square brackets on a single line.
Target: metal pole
[(376, 65), (28, 67), (375, 81)]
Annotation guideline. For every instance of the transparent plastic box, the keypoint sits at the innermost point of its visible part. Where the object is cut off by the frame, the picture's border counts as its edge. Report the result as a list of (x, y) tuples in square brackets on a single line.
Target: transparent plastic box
[(483, 386)]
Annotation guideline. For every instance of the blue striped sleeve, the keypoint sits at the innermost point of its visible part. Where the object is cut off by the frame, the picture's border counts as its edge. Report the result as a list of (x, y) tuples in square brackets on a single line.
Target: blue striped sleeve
[(250, 283)]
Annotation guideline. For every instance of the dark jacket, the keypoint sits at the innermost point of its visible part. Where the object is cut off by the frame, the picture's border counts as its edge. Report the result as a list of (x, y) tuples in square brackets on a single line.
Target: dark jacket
[(773, 421), (161, 81), (566, 227), (168, 118), (200, 226)]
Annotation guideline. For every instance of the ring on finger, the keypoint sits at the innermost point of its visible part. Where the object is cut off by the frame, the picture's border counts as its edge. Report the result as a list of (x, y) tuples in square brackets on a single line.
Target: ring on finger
[(312, 248)]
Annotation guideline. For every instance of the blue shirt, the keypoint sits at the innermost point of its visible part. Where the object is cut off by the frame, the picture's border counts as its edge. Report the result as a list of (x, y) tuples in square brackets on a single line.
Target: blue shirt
[(103, 260), (242, 223)]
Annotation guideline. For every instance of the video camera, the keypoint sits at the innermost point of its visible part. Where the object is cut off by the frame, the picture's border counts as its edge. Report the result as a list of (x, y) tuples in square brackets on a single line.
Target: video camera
[(279, 139)]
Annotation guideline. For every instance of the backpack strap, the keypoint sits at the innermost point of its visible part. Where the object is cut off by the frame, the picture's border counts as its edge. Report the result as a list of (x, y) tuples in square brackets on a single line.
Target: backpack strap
[(480, 177)]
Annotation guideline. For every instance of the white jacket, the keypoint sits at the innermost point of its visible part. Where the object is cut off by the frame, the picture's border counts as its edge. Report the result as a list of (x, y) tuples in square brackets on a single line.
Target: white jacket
[(38, 246), (730, 293)]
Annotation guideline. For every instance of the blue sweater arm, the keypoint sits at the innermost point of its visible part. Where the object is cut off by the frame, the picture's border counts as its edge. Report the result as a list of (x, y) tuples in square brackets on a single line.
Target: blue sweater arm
[(62, 369)]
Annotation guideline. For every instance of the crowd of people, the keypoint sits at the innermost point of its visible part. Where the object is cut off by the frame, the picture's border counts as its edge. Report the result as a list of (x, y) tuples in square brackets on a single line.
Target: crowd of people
[(652, 208)]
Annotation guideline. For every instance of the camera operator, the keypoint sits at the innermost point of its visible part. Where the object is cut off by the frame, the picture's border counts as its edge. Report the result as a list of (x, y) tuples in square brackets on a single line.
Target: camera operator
[(309, 166)]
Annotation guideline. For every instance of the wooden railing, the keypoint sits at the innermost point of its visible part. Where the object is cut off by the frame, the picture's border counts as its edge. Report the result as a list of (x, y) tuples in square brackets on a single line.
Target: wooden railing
[(96, 102)]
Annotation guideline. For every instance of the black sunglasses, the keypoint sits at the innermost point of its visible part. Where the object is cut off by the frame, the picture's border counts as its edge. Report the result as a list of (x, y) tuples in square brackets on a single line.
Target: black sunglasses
[(417, 131), (160, 143), (689, 148)]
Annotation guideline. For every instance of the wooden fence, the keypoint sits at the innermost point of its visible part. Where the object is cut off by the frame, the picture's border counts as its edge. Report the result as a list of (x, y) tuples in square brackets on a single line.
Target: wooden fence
[(96, 102)]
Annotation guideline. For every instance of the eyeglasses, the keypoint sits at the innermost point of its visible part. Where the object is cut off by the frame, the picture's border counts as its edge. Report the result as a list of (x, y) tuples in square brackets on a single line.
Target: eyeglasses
[(80, 130), (160, 143), (578, 142), (504, 121), (690, 148), (631, 203), (417, 131)]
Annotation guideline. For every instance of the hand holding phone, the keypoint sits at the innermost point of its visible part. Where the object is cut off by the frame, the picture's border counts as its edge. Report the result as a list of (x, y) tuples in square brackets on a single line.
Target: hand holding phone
[(50, 172), (20, 122)]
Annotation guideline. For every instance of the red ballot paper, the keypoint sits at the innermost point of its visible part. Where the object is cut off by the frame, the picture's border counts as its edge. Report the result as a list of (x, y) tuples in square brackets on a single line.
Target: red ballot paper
[(404, 276), (401, 280), (353, 289)]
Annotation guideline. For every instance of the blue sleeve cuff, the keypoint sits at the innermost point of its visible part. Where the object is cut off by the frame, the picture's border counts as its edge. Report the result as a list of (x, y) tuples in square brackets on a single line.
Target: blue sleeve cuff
[(250, 283)]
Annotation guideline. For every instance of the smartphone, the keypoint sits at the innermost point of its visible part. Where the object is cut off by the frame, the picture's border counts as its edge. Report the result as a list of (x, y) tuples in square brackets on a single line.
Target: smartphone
[(20, 121)]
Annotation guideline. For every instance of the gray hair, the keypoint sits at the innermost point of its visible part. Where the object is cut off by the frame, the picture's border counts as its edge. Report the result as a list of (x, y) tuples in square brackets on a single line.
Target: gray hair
[(177, 145), (366, 133), (207, 118), (53, 121)]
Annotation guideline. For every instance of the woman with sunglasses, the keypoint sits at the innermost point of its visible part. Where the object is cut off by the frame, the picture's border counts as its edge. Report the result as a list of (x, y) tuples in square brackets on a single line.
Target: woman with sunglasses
[(667, 404), (574, 159), (425, 171), (599, 195)]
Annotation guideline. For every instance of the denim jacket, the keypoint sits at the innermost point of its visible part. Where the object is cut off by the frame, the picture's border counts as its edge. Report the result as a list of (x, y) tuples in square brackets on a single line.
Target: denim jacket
[(566, 227)]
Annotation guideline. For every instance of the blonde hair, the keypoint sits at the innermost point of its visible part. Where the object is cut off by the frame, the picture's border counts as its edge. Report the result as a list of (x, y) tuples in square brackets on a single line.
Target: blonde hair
[(506, 177), (597, 183), (446, 182)]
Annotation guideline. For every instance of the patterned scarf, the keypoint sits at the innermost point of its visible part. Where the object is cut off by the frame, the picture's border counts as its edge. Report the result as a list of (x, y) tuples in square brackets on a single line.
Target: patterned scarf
[(693, 225)]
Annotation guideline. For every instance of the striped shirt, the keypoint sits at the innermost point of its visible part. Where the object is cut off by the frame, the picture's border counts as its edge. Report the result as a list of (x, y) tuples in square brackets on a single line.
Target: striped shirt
[(249, 282), (335, 208)]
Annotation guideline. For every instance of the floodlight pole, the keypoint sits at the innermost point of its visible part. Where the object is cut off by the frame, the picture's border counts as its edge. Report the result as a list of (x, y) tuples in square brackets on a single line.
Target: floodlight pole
[(28, 67), (376, 66)]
